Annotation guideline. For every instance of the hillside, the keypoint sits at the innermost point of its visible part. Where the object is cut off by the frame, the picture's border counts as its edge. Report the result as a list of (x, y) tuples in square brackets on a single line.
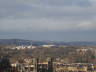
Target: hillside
[(18, 42)]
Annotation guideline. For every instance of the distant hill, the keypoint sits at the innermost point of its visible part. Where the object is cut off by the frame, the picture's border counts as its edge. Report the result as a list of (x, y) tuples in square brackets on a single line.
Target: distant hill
[(21, 42), (13, 42), (31, 42), (83, 43)]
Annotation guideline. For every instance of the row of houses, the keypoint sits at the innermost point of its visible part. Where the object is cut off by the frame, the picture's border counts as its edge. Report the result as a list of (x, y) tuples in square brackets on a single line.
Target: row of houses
[(51, 66), (75, 67), (32, 47), (36, 66)]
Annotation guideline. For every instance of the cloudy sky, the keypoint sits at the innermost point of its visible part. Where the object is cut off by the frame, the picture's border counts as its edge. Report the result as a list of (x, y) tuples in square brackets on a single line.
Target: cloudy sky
[(60, 20)]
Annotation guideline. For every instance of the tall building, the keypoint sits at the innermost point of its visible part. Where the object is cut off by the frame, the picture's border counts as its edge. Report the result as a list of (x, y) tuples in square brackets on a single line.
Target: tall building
[(45, 67)]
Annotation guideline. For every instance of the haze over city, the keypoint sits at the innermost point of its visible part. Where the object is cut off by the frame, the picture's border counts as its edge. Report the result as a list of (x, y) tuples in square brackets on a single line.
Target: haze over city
[(59, 20)]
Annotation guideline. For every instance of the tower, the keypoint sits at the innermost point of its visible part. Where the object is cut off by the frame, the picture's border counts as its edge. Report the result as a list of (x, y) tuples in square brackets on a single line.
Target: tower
[(37, 66), (50, 65)]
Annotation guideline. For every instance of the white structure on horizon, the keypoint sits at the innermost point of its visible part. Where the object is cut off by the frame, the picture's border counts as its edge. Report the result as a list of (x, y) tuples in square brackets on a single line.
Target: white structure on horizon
[(48, 46)]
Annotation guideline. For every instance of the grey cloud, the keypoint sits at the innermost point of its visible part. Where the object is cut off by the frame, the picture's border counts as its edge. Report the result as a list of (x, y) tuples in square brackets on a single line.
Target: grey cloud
[(52, 15), (45, 25), (58, 3)]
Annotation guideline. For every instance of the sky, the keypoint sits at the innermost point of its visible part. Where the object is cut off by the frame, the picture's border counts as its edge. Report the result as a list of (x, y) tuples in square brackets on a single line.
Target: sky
[(55, 20)]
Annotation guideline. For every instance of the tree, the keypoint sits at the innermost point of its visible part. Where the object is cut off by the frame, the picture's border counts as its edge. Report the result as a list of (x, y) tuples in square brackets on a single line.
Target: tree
[(4, 64)]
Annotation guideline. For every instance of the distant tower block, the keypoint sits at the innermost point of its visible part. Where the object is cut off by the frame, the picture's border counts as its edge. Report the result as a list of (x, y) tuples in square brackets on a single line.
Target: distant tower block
[(50, 65), (37, 66)]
